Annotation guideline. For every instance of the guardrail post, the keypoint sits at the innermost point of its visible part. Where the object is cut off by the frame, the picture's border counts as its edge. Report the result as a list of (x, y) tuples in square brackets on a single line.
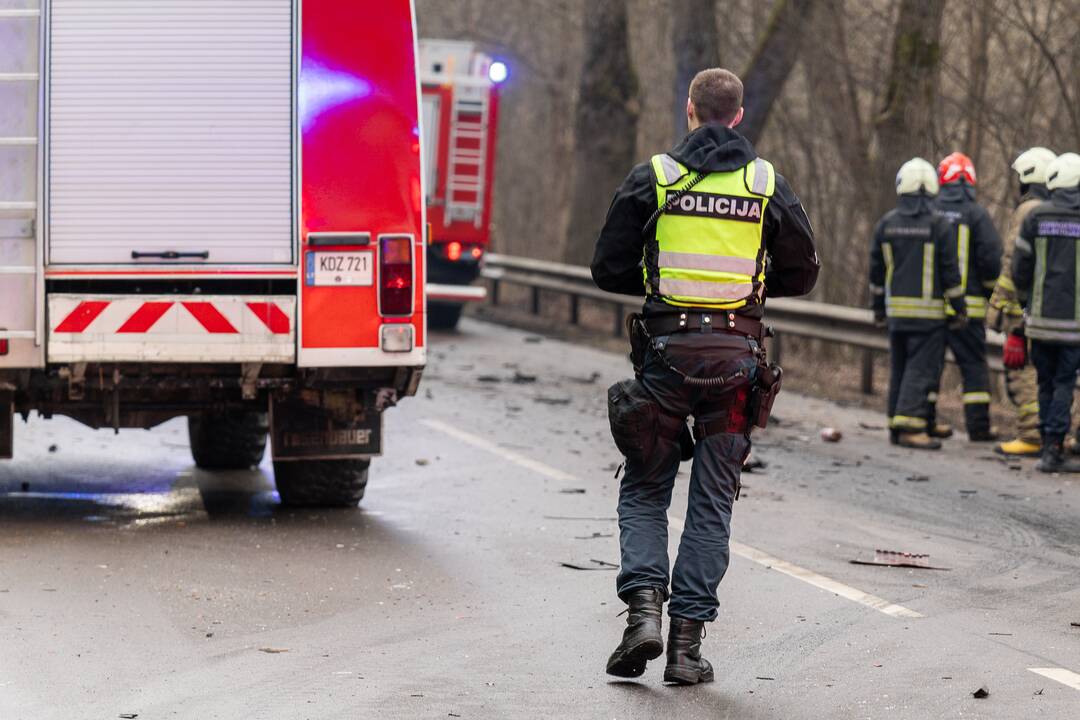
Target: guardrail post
[(774, 348), (494, 292), (868, 372), (575, 302), (535, 301)]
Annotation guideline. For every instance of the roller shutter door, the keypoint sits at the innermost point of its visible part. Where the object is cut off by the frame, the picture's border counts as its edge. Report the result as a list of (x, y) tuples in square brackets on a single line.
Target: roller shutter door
[(170, 130)]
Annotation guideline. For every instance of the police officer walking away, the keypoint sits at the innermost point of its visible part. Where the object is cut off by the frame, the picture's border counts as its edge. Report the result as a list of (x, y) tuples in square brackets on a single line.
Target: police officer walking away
[(1006, 315), (913, 277), (715, 231), (978, 250), (1046, 271)]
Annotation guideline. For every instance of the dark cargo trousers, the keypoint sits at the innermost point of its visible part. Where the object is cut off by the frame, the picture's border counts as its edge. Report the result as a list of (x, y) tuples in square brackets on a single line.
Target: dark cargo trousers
[(1056, 366), (916, 361), (968, 345), (645, 492)]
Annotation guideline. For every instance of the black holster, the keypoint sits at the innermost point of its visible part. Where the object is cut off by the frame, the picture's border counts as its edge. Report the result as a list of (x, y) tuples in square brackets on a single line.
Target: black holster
[(637, 421), (639, 341), (763, 394)]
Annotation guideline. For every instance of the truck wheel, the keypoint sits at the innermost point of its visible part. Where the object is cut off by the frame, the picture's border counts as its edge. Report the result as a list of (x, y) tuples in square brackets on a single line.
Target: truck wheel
[(321, 483), (443, 316), (228, 441)]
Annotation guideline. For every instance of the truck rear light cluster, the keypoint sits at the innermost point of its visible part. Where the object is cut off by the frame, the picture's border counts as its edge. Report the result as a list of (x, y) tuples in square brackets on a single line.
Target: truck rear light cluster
[(395, 275), (3, 347), (455, 251)]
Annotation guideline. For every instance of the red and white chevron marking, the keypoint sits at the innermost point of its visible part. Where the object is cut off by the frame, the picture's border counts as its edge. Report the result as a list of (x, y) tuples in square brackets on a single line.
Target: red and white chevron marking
[(171, 328)]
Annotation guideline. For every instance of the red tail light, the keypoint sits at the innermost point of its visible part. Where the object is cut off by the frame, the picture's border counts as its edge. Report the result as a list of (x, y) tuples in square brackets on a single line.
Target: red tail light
[(3, 347), (453, 251), (395, 275)]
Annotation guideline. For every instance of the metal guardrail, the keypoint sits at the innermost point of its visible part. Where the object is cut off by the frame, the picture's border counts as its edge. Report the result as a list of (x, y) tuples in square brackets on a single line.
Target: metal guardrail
[(840, 324)]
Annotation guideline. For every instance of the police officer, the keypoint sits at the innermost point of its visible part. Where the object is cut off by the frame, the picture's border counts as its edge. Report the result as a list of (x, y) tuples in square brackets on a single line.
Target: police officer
[(914, 276), (1007, 316), (979, 256), (714, 230), (1046, 272)]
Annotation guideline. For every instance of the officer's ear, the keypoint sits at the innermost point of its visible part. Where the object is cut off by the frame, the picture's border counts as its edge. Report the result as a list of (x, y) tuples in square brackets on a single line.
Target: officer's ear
[(691, 116), (738, 118)]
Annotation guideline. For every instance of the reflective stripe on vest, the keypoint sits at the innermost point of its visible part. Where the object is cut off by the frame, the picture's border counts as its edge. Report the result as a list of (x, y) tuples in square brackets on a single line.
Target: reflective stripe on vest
[(710, 246), (925, 307)]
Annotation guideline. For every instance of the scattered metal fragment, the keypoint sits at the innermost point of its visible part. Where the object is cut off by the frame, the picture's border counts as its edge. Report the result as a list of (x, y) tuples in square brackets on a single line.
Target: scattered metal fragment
[(128, 716), (981, 693), (604, 563), (918, 478), (894, 558), (273, 651), (831, 435), (997, 633), (599, 565), (1039, 691), (521, 378), (572, 491), (488, 379), (422, 462), (594, 536), (1075, 624), (761, 677), (551, 400)]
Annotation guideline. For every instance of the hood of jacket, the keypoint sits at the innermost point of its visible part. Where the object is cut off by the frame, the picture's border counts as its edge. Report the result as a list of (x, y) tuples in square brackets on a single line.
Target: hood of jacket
[(913, 204), (956, 193), (1066, 198), (1034, 192), (714, 148)]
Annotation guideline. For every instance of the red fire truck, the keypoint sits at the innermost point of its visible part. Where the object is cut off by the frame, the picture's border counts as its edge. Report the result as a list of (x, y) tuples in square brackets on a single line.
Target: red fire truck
[(460, 122), (214, 210)]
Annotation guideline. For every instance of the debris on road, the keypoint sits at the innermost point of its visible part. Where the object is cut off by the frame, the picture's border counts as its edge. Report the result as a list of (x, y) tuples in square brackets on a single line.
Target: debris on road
[(422, 462), (968, 493), (572, 491), (534, 339), (981, 693), (543, 400), (831, 435), (53, 448), (521, 378), (1075, 624), (599, 565), (273, 651), (761, 677), (895, 558), (918, 478), (488, 379), (1003, 634), (871, 426), (594, 536), (128, 716)]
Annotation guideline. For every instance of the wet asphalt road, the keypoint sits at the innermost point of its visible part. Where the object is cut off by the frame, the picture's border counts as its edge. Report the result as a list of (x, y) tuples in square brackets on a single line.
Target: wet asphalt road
[(132, 583)]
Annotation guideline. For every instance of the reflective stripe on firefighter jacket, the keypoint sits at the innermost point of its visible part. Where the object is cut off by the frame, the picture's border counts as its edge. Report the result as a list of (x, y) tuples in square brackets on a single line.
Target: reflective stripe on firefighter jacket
[(912, 290), (977, 246), (710, 247), (1046, 269)]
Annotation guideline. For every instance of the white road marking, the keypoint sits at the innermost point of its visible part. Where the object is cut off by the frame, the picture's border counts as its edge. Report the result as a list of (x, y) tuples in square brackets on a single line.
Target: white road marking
[(763, 558), (518, 459), (1061, 675)]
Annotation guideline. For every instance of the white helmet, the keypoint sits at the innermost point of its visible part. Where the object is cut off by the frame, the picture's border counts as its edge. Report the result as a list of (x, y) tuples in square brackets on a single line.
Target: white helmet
[(1031, 165), (1064, 172), (916, 175)]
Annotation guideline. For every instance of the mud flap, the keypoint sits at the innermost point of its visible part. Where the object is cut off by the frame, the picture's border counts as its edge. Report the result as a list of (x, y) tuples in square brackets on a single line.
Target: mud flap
[(324, 425), (7, 425)]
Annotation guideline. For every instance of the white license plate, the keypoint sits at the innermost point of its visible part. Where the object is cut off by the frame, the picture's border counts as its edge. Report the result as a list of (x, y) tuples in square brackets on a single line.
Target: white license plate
[(340, 268)]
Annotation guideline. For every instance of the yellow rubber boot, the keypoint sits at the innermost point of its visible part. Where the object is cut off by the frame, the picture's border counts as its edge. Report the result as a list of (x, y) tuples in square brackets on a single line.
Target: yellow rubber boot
[(1020, 448)]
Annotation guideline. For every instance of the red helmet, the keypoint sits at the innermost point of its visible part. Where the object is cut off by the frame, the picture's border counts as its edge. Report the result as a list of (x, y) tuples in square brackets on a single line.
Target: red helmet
[(956, 167)]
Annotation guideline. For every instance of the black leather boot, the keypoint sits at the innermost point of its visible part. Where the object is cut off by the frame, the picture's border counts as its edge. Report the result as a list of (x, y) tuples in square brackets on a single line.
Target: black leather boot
[(685, 666), (642, 640), (1054, 461)]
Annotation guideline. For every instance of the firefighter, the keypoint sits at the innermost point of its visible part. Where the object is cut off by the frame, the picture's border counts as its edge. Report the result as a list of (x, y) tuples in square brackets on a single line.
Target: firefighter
[(978, 251), (914, 277), (1005, 314), (706, 232), (1046, 273)]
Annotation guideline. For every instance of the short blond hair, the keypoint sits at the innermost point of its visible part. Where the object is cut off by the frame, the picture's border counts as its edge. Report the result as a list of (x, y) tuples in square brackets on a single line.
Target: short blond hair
[(717, 95)]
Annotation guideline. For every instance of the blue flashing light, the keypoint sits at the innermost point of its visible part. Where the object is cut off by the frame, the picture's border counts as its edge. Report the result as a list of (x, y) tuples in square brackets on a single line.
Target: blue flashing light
[(498, 72)]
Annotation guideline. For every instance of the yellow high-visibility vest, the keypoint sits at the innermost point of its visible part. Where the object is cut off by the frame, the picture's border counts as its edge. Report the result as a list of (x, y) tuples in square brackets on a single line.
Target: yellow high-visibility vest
[(710, 247)]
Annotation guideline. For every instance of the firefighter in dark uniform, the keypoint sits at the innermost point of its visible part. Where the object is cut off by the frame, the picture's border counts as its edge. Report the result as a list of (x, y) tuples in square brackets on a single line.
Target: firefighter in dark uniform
[(1046, 273), (706, 232), (914, 276), (978, 251)]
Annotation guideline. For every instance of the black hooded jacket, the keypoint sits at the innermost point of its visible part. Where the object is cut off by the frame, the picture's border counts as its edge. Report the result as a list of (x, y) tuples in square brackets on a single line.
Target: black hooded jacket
[(956, 202), (792, 266)]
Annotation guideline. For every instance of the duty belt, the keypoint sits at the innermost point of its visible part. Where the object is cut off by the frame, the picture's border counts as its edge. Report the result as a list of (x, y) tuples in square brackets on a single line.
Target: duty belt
[(725, 322)]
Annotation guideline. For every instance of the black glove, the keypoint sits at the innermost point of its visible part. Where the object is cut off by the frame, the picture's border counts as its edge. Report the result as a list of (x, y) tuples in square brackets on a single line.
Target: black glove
[(958, 322)]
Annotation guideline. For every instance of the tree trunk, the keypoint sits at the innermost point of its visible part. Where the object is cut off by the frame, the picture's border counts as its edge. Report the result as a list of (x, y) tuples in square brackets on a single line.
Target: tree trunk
[(697, 47), (605, 127), (772, 62), (905, 126)]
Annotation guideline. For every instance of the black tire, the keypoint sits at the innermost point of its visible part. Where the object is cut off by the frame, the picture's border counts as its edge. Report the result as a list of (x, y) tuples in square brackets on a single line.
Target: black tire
[(228, 441), (443, 316), (321, 483)]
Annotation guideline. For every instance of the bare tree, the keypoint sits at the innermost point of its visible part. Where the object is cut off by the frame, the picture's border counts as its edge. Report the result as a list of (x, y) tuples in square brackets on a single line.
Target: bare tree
[(605, 127), (696, 47), (773, 60), (905, 126)]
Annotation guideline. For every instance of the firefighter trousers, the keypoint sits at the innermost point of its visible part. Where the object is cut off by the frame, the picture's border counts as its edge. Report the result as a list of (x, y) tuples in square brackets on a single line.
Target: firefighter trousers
[(968, 345), (1057, 366), (916, 360), (646, 488), (1023, 389)]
